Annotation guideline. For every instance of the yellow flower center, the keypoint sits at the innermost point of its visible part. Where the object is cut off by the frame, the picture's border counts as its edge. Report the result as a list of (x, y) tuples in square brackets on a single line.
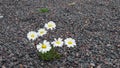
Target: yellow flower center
[(50, 25), (41, 32), (70, 42), (32, 35), (57, 42), (44, 46)]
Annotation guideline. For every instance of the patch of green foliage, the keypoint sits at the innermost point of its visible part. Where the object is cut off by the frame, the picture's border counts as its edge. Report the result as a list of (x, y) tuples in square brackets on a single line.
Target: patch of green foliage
[(50, 55), (43, 10)]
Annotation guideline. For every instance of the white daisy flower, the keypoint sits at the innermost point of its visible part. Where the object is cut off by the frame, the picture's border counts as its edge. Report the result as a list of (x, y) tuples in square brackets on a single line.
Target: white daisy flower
[(32, 35), (57, 42), (41, 32), (70, 42), (44, 47), (50, 25)]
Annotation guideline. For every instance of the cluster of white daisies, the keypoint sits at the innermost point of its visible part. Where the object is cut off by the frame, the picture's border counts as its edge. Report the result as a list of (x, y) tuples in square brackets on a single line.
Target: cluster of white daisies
[(46, 46)]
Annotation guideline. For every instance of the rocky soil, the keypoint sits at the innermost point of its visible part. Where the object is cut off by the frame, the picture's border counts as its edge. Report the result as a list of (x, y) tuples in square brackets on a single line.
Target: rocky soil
[(94, 24)]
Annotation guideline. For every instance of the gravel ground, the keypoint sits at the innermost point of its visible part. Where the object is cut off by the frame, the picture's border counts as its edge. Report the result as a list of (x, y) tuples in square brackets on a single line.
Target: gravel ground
[(94, 24)]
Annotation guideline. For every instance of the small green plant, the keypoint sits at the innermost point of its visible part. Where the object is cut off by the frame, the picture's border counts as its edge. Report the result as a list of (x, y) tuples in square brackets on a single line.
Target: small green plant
[(50, 55), (46, 49), (43, 10)]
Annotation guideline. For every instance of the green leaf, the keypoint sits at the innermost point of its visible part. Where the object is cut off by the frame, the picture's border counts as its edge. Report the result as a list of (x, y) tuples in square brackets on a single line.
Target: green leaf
[(43, 10), (50, 55)]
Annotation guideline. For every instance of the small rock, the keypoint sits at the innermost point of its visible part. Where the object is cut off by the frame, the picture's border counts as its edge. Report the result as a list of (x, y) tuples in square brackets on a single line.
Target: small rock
[(99, 66), (1, 16), (92, 64), (108, 44), (21, 66), (77, 54), (0, 58), (71, 4), (42, 63), (3, 66), (118, 45), (61, 67)]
